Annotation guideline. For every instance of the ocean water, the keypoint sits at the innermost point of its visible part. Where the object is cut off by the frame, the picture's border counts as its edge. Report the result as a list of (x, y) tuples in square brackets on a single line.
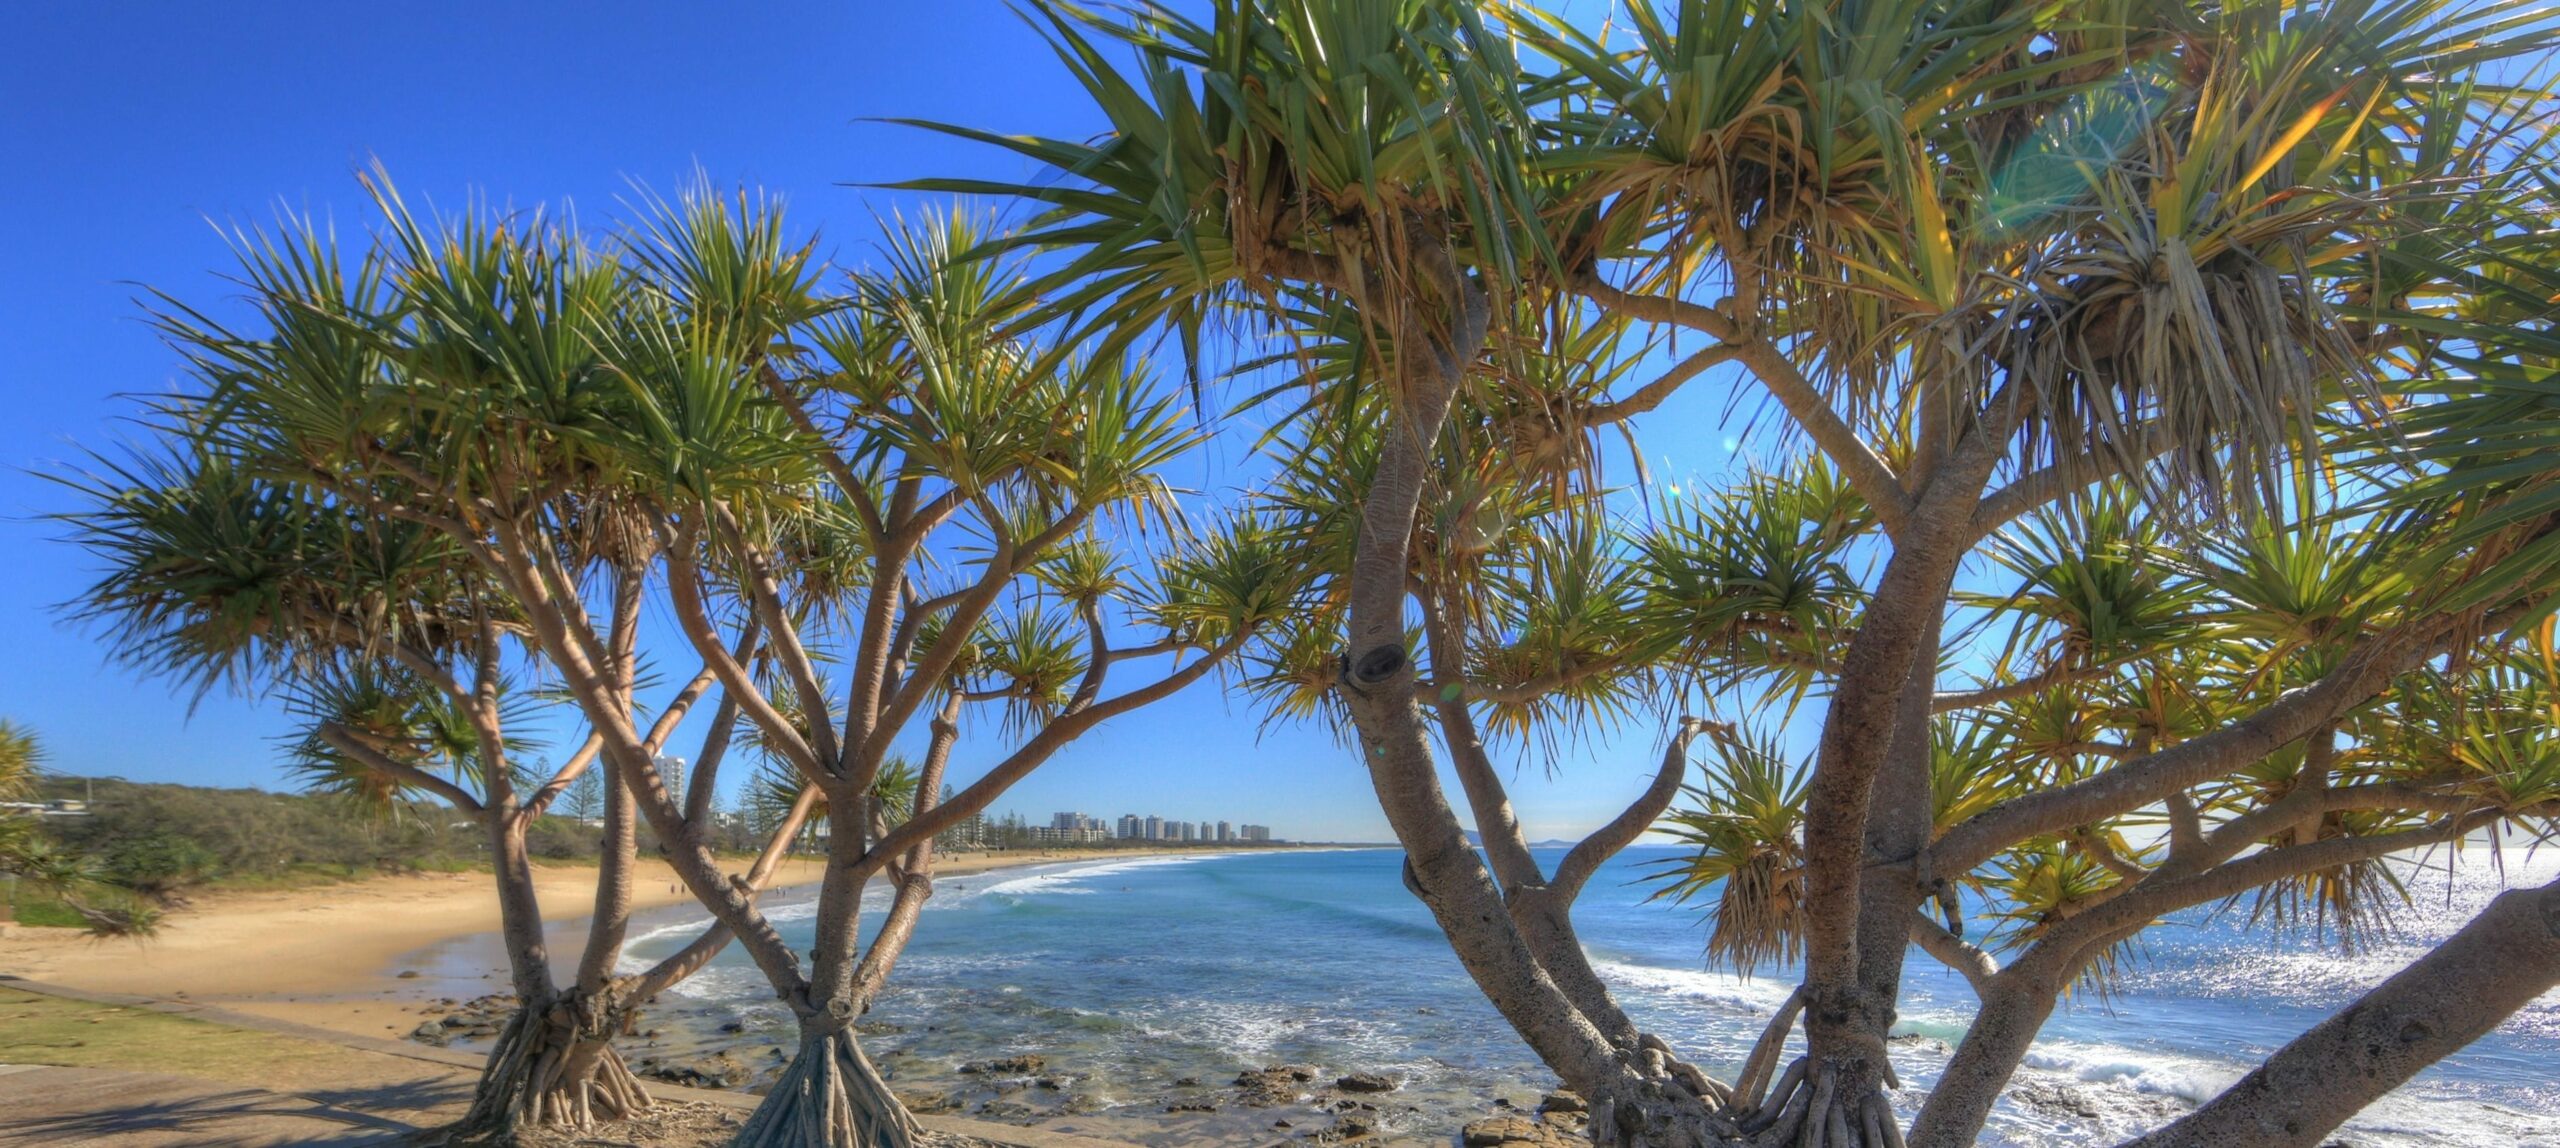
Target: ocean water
[(1148, 982)]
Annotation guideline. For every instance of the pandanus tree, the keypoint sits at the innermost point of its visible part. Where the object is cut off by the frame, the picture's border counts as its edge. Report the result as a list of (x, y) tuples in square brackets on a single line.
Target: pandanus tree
[(684, 415), (986, 494), (2100, 641), (404, 670), (1981, 256), (31, 861)]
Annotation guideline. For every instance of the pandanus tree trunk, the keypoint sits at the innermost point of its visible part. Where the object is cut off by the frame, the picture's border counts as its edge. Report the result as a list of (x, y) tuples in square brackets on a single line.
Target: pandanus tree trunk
[(1849, 1002), (554, 1064), (1637, 1099), (831, 1095), (1868, 831)]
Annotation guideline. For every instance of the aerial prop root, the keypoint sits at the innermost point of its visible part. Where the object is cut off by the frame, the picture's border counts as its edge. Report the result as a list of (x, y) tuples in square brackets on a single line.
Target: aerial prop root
[(553, 1065), (830, 1096)]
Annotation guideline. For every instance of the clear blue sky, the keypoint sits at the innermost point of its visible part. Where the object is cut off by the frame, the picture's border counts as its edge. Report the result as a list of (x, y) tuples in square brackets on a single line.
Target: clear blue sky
[(126, 129)]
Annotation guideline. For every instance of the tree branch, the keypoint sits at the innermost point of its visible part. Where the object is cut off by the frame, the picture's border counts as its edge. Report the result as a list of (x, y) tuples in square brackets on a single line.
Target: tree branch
[(2154, 898), (344, 741), (567, 776), (1977, 966), (1585, 858), (2042, 486), (899, 705), (1865, 469), (1497, 826), (764, 599), (2457, 993), (1057, 733), (684, 590), (2057, 674), (2361, 675), (1653, 394)]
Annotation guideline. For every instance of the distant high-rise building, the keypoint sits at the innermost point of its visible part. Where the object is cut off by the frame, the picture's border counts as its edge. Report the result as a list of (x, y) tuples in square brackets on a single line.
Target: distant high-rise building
[(1226, 833), (1131, 827), (672, 774), (971, 831), (1255, 832), (1154, 827)]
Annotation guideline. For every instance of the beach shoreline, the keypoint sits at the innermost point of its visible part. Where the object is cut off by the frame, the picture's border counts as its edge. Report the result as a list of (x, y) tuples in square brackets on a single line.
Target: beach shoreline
[(353, 956)]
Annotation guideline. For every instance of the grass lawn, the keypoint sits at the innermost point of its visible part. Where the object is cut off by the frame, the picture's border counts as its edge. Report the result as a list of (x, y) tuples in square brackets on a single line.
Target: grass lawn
[(40, 1029)]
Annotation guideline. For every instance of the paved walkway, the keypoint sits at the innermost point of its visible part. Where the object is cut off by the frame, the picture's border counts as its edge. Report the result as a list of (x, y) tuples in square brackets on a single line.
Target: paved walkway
[(57, 1107)]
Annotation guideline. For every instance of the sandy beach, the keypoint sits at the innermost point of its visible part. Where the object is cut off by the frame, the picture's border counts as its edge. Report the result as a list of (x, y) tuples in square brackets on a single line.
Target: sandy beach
[(331, 956)]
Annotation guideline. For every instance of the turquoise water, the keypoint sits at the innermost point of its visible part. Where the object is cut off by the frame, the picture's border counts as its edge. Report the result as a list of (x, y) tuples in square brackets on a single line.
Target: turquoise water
[(1133, 975)]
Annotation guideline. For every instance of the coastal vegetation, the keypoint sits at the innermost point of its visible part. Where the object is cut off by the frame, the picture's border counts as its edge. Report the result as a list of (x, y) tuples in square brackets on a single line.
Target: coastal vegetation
[(391, 650), (46, 882), (441, 479), (2161, 516), (2145, 506), (183, 837)]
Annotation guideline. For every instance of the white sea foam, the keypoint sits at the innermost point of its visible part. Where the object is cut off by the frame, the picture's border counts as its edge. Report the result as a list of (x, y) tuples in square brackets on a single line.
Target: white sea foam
[(1258, 1033), (2102, 1078), (736, 984), (687, 927), (2191, 1079), (2129, 1089), (1068, 879), (916, 965), (1726, 991)]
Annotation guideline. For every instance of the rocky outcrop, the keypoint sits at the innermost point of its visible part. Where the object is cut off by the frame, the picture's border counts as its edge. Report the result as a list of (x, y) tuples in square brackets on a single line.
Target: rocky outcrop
[(477, 1019), (721, 1069), (1005, 1066), (1517, 1132), (1276, 1085), (1367, 1082)]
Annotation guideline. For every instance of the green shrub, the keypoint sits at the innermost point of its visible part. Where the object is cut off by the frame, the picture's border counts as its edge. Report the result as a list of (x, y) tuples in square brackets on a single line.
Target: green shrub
[(165, 837), (49, 915), (157, 866), (562, 839), (160, 840)]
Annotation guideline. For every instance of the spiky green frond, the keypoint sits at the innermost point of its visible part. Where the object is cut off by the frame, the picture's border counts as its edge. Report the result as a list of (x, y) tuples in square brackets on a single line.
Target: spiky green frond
[(1744, 828)]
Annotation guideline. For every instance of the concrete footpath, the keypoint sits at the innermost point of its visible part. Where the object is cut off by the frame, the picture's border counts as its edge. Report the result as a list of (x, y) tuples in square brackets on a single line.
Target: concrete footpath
[(56, 1107)]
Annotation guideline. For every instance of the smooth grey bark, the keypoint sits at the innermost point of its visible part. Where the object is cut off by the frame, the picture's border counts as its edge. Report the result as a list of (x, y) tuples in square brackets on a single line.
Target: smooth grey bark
[(1379, 688), (612, 918), (2467, 986), (554, 1062), (1542, 912), (913, 875)]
